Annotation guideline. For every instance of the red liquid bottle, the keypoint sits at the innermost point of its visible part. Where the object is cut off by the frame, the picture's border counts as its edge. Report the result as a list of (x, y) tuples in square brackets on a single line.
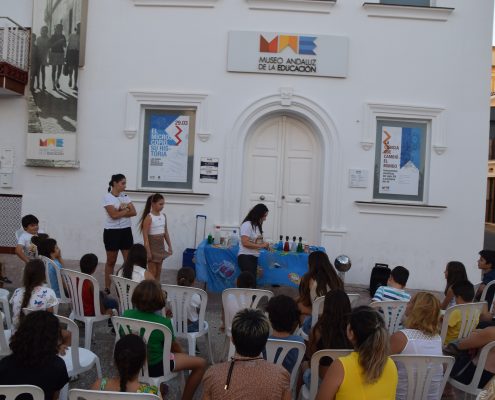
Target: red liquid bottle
[(286, 244)]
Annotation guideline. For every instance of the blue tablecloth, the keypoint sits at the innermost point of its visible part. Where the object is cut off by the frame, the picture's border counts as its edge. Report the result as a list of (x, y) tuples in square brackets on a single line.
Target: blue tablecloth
[(217, 266)]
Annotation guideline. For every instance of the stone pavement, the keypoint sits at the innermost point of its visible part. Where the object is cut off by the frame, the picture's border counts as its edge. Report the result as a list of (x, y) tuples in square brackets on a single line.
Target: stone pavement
[(103, 339)]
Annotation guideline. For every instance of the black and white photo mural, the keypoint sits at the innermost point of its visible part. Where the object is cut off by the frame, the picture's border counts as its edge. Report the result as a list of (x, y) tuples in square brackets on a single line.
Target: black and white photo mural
[(56, 55)]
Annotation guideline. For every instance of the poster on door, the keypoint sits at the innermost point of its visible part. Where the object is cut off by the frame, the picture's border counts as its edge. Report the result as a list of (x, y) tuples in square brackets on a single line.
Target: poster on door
[(168, 140), (400, 160)]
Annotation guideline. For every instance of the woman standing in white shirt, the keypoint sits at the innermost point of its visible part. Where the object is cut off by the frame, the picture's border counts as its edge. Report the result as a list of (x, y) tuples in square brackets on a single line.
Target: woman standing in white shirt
[(117, 235), (252, 239), (153, 224)]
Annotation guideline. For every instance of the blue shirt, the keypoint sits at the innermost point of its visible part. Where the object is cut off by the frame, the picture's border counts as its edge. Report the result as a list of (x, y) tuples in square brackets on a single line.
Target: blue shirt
[(52, 276)]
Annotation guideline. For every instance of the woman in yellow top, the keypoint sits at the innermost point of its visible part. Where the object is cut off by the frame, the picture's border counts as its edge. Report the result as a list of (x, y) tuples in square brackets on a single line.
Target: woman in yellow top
[(367, 373)]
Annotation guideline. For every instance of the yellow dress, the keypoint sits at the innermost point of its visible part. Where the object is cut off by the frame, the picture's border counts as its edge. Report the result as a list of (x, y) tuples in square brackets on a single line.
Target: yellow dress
[(353, 386)]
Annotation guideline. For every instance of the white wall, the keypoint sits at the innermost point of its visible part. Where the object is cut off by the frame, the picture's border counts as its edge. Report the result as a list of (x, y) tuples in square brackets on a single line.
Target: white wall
[(397, 61)]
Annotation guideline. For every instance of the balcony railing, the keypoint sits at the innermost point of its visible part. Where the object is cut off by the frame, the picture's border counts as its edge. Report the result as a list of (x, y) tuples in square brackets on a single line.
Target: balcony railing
[(14, 44)]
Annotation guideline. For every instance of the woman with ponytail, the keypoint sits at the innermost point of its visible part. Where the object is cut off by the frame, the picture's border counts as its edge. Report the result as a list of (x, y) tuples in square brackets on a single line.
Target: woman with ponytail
[(129, 357), (153, 225), (117, 235), (32, 294), (367, 373)]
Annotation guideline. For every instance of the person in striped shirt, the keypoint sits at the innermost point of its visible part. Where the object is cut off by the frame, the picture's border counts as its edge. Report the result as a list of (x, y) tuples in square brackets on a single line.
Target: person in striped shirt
[(395, 286)]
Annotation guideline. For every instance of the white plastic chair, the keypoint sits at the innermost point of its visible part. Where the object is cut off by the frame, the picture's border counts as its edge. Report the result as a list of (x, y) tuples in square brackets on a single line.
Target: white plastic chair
[(485, 292), (310, 393), (125, 288), (63, 299), (283, 347), (472, 387), (353, 297), (74, 281), (124, 326), (4, 302), (77, 360), (179, 300), (420, 371), (234, 300), (392, 313), (80, 394), (12, 391), (470, 314), (5, 335)]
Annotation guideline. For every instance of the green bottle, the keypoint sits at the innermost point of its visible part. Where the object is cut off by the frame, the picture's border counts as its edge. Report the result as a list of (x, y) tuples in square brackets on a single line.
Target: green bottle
[(210, 239), (300, 247)]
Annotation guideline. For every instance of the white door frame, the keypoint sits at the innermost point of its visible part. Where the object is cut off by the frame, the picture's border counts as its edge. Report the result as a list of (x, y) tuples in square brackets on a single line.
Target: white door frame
[(324, 128)]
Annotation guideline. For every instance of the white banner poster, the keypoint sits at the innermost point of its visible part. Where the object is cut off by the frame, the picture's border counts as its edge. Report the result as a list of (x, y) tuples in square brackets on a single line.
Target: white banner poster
[(399, 162), (168, 148)]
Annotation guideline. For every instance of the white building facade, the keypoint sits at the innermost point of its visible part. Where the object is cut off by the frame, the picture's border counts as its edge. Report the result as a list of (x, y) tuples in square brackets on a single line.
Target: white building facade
[(302, 133)]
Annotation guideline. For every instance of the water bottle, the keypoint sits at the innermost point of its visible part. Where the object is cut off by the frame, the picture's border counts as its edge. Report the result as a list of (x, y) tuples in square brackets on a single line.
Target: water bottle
[(234, 239), (293, 246), (217, 235)]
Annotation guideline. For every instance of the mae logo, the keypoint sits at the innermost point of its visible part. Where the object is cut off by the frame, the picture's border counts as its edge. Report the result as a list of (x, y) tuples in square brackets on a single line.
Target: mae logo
[(52, 142), (304, 45)]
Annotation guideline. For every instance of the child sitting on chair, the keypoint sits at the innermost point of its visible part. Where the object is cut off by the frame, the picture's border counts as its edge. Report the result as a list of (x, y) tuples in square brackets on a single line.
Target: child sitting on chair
[(186, 277), (49, 249), (88, 264), (395, 286), (464, 293), (245, 280)]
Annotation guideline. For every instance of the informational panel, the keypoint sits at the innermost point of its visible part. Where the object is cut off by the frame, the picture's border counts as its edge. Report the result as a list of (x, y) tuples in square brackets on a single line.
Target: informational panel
[(288, 53), (208, 169), (400, 160), (54, 76), (168, 148)]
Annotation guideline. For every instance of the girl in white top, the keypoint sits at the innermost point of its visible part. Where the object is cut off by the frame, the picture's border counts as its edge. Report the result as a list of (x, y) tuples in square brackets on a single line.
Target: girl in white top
[(153, 224), (420, 337), (33, 294), (134, 267), (252, 239), (117, 235)]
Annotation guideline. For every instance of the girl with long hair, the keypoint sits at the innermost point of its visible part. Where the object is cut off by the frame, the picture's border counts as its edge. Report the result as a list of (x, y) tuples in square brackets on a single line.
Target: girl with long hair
[(455, 271), (32, 294), (252, 239), (117, 235), (318, 281), (368, 372), (153, 225), (148, 301), (34, 360), (134, 267), (330, 332), (420, 336), (129, 356)]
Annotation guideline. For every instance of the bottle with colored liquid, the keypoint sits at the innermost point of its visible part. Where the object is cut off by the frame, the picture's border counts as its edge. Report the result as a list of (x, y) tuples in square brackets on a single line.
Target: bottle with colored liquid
[(300, 247), (210, 239), (286, 244), (280, 245), (293, 246)]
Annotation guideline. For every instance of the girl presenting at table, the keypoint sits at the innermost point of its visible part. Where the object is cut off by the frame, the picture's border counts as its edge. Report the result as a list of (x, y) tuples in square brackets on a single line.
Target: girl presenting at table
[(252, 239)]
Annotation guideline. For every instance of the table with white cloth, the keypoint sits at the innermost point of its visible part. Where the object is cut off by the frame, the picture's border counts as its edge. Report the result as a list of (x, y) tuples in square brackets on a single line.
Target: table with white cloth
[(217, 266)]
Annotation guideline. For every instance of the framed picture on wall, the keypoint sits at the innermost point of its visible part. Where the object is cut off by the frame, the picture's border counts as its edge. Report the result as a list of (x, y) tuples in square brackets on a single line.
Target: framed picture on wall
[(168, 148), (400, 160)]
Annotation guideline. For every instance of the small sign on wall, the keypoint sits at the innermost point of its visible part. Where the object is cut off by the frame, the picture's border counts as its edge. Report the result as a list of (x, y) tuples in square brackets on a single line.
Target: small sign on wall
[(358, 178), (208, 169)]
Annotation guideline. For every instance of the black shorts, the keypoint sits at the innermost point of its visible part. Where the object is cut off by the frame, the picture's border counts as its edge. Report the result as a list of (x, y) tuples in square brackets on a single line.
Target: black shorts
[(117, 239)]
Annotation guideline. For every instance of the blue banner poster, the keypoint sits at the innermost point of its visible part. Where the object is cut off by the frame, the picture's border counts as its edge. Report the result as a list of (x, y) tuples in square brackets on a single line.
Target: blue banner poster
[(168, 147), (400, 160)]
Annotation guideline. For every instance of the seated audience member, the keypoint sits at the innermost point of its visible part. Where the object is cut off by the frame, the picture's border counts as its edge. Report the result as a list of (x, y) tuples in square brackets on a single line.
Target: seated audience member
[(486, 264), (34, 360), (247, 375), (88, 264), (148, 301), (368, 372), (455, 271), (32, 294), (320, 279), (330, 332), (420, 336), (129, 356), (134, 266), (395, 286), (464, 293), (465, 363), (25, 250), (186, 277), (283, 314), (49, 249), (245, 280)]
